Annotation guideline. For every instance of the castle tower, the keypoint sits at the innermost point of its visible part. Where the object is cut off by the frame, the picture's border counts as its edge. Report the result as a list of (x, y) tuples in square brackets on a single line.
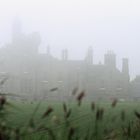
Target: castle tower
[(65, 54), (16, 29), (110, 59), (89, 57), (125, 68)]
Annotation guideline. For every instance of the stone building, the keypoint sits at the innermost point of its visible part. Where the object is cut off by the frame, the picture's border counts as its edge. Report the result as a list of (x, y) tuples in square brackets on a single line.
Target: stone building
[(135, 88), (32, 73)]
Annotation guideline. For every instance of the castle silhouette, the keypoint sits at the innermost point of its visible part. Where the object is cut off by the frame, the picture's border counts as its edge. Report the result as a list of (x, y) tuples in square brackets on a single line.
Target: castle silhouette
[(33, 74)]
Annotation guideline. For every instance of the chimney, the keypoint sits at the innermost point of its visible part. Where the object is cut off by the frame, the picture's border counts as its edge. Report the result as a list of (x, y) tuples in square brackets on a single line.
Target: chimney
[(89, 57), (125, 66)]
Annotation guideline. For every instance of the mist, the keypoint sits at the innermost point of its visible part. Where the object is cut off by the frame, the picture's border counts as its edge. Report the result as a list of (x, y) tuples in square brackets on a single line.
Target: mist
[(69, 69), (76, 25)]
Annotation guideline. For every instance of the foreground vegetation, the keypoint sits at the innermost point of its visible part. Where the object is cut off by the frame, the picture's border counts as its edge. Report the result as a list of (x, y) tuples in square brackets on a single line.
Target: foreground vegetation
[(73, 120)]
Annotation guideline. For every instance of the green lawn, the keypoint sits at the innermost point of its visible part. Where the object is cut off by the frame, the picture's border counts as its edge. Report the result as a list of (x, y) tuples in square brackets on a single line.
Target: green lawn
[(74, 122)]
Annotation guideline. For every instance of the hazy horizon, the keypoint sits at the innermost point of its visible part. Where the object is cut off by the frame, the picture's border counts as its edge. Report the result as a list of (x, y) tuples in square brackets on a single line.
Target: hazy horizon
[(78, 24)]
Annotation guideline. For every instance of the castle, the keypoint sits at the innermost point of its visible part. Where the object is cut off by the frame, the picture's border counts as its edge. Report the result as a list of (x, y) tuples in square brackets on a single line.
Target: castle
[(32, 73)]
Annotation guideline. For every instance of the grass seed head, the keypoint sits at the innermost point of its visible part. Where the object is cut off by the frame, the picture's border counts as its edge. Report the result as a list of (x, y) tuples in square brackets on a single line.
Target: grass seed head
[(99, 114), (114, 103), (68, 114), (92, 106), (47, 113), (80, 97), (137, 114), (54, 89), (2, 100), (71, 133), (65, 107)]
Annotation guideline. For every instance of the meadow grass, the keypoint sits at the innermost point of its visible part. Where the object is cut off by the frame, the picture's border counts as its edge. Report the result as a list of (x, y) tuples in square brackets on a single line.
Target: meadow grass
[(47, 120)]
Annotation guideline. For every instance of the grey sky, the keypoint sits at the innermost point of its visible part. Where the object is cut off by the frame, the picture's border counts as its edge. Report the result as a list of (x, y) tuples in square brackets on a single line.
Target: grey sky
[(77, 24)]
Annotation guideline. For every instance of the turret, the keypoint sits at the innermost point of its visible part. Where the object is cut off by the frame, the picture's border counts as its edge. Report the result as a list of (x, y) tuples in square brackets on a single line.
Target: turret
[(110, 59), (89, 57)]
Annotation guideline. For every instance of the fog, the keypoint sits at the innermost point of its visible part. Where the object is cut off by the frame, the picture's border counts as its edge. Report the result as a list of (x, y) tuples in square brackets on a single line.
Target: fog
[(78, 24), (69, 69)]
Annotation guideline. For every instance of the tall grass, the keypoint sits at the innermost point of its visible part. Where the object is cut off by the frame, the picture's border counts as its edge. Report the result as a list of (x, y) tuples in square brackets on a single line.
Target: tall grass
[(76, 120)]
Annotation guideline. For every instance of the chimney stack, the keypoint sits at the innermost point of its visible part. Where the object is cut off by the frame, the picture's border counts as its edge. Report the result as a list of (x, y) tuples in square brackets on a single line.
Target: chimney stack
[(125, 68)]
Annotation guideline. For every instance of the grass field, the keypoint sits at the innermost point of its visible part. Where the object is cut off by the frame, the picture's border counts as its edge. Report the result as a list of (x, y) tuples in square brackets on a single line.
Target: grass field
[(71, 121)]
